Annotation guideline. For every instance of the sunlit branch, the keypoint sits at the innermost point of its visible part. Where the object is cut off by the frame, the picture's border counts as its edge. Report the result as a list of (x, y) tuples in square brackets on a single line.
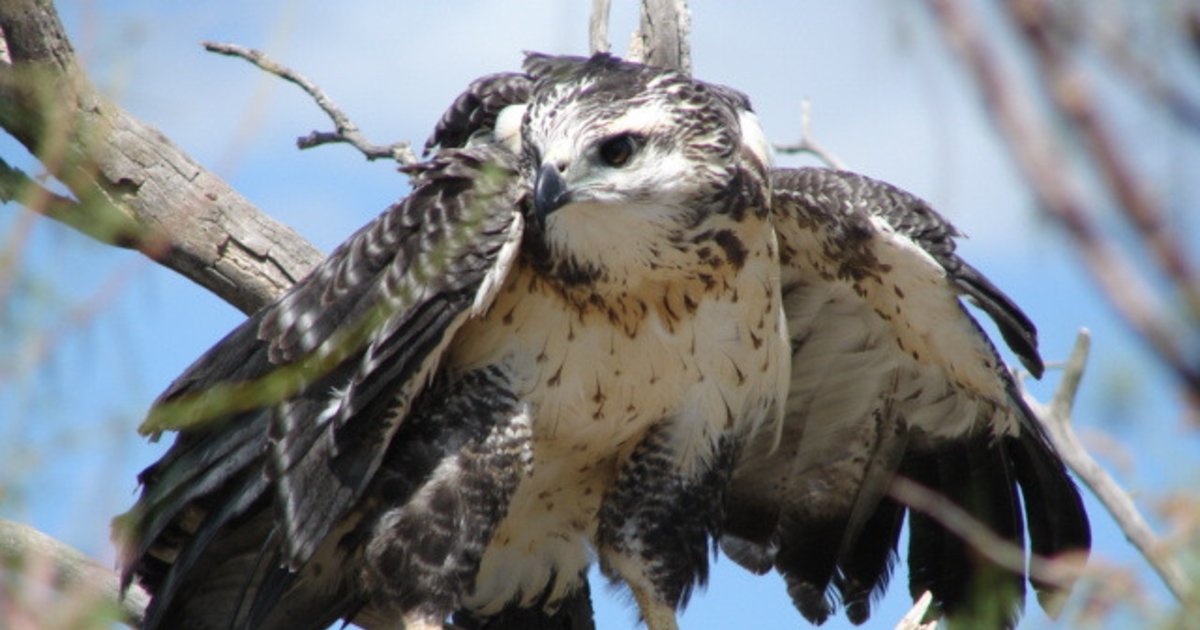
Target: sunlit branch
[(598, 26), (661, 38), (1056, 417)]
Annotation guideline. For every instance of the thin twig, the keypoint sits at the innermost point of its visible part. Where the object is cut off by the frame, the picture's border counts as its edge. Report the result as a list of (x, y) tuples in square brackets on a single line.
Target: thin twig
[(5, 58), (73, 570), (807, 144), (1056, 418), (598, 27), (346, 131), (912, 619), (1062, 572), (1058, 189)]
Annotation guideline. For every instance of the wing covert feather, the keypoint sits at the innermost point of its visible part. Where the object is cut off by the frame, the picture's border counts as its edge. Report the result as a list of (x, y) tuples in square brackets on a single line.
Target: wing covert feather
[(891, 375)]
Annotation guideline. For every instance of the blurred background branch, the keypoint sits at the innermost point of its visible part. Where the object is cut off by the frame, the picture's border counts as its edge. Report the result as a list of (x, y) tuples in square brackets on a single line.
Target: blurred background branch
[(1159, 299)]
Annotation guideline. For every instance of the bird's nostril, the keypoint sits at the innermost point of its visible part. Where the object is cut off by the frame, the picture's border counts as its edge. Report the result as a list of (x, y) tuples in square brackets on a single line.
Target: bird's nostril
[(561, 166)]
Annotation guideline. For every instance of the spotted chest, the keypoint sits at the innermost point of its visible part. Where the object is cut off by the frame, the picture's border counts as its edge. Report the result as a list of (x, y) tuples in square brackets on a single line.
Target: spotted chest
[(598, 374)]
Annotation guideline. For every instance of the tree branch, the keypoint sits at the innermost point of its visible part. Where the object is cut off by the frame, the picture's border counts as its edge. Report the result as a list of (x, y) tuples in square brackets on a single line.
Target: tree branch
[(122, 172), (661, 38), (1069, 91), (598, 27), (103, 223), (1056, 418), (72, 571), (912, 619), (807, 144), (345, 130), (1058, 190)]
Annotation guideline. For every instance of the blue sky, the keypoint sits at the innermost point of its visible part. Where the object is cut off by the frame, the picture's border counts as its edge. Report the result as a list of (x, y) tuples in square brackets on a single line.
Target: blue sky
[(886, 97)]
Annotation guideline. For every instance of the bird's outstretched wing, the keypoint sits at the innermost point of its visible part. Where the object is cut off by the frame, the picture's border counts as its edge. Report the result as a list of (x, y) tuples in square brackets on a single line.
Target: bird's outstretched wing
[(892, 376), (306, 394)]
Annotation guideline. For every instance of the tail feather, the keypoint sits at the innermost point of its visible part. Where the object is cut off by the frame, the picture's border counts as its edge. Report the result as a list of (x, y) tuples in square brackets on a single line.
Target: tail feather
[(252, 489), (966, 585), (179, 480), (866, 567), (1057, 521)]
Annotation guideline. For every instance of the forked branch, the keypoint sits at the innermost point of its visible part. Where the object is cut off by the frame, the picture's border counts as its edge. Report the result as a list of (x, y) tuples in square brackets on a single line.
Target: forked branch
[(345, 131)]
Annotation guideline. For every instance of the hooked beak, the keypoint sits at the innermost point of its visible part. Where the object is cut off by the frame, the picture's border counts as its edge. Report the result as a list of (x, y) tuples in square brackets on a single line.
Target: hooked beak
[(549, 191)]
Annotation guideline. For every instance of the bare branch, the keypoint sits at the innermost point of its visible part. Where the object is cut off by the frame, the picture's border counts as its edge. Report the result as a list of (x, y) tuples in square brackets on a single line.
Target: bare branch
[(912, 619), (1145, 75), (1062, 571), (346, 131), (20, 544), (807, 144), (124, 173), (1056, 418), (598, 27), (661, 38), (1058, 190)]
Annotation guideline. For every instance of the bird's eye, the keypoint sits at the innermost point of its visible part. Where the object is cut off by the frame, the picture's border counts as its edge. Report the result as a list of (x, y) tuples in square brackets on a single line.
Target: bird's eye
[(616, 150)]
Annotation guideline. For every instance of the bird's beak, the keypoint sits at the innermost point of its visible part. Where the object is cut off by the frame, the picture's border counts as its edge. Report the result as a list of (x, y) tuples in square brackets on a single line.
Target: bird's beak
[(549, 191)]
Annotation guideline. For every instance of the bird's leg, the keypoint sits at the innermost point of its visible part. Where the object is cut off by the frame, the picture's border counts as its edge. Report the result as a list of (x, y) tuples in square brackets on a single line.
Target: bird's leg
[(656, 521), (657, 615)]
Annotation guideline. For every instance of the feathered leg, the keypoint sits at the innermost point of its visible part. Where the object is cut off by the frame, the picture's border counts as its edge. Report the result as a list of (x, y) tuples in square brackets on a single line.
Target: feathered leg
[(422, 556), (656, 523)]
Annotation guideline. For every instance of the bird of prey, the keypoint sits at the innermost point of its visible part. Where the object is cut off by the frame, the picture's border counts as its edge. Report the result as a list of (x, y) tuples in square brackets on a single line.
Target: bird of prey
[(600, 328)]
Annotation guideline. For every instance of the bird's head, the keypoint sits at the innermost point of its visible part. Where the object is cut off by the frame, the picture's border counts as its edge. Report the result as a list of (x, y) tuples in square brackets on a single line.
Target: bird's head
[(629, 163)]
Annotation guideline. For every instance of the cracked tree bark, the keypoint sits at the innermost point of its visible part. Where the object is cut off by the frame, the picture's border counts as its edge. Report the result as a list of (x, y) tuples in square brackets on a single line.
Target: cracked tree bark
[(134, 187)]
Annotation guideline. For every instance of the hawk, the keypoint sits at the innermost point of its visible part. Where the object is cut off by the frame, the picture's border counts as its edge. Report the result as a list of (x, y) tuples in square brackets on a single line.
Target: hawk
[(599, 328)]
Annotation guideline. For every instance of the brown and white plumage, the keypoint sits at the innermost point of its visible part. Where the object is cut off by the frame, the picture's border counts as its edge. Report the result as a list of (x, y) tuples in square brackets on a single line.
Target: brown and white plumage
[(542, 353), (600, 327), (892, 376)]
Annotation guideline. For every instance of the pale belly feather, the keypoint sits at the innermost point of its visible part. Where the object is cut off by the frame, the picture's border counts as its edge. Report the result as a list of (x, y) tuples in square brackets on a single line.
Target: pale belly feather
[(594, 391)]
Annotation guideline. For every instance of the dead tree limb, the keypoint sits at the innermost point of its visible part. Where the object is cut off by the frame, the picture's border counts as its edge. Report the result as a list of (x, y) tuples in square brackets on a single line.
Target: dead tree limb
[(1056, 418), (662, 36), (72, 571), (598, 27), (808, 143), (130, 179)]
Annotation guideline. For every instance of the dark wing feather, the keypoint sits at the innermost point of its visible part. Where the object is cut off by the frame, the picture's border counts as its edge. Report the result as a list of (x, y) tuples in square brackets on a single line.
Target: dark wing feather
[(891, 375), (475, 110), (343, 354), (328, 441)]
